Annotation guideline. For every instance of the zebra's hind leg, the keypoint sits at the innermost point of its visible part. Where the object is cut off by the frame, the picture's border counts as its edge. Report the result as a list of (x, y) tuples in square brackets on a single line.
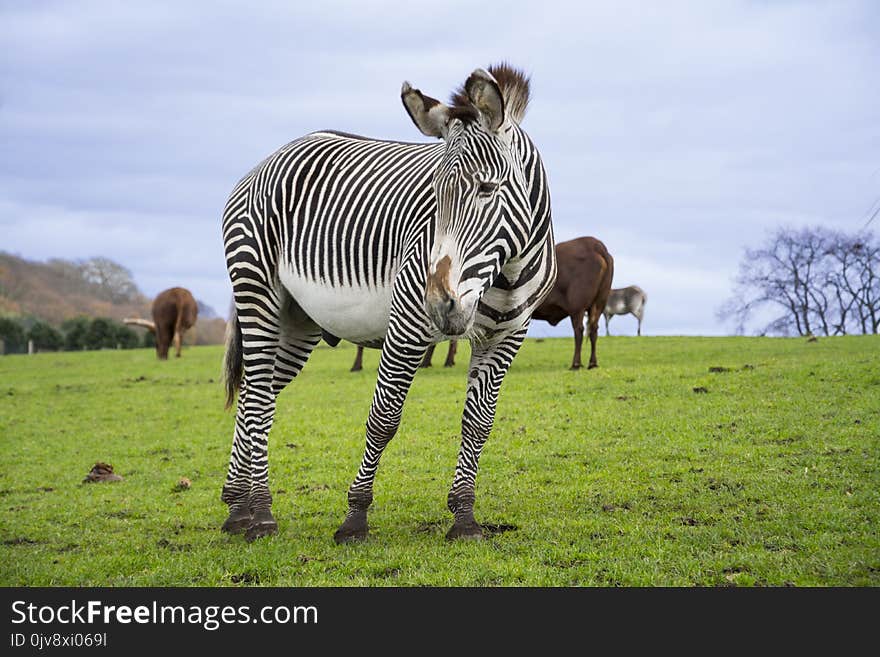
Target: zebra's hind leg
[(488, 366), (237, 489), (397, 367), (250, 355), (298, 337)]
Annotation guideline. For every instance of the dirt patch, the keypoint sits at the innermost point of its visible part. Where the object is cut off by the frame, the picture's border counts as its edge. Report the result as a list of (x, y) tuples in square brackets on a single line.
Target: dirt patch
[(124, 514), (718, 369), (101, 472), (304, 558), (493, 529), (431, 527), (247, 577), (718, 484), (311, 488), (291, 445), (701, 390), (173, 547), (21, 540), (690, 522)]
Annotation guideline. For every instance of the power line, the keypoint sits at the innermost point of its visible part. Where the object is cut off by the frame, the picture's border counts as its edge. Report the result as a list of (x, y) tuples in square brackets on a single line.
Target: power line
[(876, 210)]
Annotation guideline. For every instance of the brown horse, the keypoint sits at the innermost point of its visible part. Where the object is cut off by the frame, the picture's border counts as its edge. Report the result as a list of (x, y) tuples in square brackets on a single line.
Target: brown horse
[(174, 312), (583, 282), (426, 361)]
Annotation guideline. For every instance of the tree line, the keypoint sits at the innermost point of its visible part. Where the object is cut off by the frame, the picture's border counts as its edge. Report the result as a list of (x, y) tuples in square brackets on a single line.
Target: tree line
[(808, 281), (78, 334)]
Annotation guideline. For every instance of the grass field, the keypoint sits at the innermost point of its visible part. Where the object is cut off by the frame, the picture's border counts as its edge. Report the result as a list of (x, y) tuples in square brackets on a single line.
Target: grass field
[(767, 474)]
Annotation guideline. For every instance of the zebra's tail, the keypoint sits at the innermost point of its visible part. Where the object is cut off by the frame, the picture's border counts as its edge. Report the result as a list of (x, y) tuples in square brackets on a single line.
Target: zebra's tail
[(232, 361)]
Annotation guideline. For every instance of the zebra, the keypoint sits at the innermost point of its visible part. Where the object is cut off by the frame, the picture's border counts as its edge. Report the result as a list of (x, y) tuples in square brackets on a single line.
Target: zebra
[(386, 244), (624, 301)]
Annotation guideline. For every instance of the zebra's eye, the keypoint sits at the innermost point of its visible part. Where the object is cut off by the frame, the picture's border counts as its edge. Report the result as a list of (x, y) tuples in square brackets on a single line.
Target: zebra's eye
[(487, 188)]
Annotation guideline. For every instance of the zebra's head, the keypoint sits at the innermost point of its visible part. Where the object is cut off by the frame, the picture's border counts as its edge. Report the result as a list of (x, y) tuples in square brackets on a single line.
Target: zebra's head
[(483, 211)]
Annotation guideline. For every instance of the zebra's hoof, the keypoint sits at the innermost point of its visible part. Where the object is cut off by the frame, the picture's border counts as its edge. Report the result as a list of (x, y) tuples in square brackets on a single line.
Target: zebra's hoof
[(592, 366), (260, 529), (262, 524), (469, 531), (238, 521), (353, 530)]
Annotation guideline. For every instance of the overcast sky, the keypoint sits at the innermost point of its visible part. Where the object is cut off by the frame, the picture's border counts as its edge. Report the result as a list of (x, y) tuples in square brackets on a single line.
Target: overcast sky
[(676, 132)]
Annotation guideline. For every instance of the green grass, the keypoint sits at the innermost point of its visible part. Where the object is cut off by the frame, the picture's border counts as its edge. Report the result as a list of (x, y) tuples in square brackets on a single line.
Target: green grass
[(617, 476)]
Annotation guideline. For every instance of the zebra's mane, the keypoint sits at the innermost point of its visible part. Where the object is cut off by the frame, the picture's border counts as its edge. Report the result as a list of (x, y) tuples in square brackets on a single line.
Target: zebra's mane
[(514, 85)]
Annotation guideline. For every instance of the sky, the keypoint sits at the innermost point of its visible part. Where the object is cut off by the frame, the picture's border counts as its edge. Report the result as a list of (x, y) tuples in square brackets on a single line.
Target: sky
[(679, 133)]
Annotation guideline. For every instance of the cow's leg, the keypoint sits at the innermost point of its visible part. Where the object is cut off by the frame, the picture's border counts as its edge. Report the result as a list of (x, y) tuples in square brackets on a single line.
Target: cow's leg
[(163, 340), (607, 318), (593, 330), (450, 355), (577, 323), (429, 355), (358, 360), (487, 368), (397, 367), (178, 342)]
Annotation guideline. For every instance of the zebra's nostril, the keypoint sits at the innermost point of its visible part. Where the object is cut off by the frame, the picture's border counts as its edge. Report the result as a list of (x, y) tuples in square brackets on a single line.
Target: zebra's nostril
[(451, 306)]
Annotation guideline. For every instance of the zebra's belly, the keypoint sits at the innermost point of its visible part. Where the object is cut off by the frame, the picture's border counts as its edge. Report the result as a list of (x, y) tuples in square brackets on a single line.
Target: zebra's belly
[(357, 314)]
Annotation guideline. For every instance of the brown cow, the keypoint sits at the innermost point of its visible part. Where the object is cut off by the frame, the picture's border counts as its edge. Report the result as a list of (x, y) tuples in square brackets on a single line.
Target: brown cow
[(583, 282), (174, 312), (426, 361)]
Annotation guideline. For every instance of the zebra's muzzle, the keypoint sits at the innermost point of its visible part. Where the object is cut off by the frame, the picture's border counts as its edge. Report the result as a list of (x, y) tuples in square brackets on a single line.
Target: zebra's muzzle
[(448, 315), (443, 306)]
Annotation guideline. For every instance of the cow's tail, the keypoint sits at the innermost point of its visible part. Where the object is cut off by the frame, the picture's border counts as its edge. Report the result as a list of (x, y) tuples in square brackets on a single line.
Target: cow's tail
[(604, 286), (232, 361)]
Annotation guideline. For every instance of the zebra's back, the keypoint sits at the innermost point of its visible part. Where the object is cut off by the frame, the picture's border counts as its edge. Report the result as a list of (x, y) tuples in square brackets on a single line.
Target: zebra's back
[(335, 215)]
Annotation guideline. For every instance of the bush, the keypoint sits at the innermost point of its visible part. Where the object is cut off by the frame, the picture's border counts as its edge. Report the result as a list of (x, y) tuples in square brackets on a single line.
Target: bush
[(12, 335), (75, 333), (45, 337), (126, 338), (101, 334), (150, 340)]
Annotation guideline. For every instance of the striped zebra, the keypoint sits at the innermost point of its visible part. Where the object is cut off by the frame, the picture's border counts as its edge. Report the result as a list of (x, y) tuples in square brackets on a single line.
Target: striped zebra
[(392, 245)]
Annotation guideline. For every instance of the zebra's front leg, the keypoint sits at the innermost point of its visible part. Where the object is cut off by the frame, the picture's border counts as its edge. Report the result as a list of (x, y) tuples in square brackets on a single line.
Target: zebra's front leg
[(488, 366), (397, 367)]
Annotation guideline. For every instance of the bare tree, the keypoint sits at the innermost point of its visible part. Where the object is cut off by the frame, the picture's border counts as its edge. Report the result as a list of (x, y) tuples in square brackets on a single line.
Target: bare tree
[(820, 281), (111, 280)]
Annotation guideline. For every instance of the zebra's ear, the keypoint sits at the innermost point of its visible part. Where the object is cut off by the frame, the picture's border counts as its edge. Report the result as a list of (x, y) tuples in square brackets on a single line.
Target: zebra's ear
[(485, 95), (429, 114)]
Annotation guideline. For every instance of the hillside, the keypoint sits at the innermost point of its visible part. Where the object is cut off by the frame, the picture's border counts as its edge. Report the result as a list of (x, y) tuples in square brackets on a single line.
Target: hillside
[(57, 290)]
